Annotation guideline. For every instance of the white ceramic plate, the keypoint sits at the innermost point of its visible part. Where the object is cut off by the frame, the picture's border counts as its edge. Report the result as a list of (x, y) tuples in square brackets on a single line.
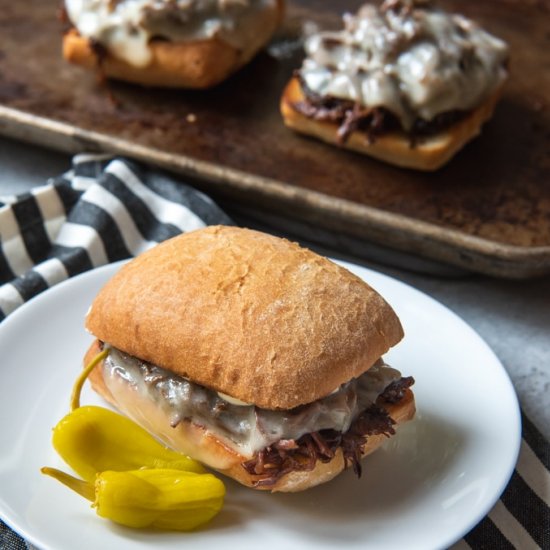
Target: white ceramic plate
[(425, 489)]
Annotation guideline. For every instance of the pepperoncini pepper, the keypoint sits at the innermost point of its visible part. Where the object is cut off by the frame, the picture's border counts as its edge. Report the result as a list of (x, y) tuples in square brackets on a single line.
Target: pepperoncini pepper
[(128, 475), (158, 498), (94, 439)]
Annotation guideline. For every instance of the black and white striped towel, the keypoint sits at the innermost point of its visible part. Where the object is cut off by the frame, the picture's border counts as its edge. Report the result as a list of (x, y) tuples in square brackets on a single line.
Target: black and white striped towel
[(105, 210), (101, 211)]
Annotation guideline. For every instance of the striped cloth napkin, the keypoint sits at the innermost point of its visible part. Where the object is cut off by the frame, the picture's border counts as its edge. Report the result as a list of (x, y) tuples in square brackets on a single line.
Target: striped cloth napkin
[(101, 211), (105, 209)]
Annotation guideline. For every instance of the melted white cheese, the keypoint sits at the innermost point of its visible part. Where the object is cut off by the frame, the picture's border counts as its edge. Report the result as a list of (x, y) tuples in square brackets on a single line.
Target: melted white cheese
[(233, 400), (245, 428), (125, 27), (414, 60)]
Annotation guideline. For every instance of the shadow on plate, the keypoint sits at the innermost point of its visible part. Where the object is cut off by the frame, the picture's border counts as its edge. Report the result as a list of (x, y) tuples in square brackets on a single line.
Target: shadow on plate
[(410, 465)]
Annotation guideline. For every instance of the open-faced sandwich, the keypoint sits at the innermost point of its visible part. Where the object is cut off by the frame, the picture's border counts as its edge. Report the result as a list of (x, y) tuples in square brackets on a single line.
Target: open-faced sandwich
[(169, 43), (404, 82), (251, 354)]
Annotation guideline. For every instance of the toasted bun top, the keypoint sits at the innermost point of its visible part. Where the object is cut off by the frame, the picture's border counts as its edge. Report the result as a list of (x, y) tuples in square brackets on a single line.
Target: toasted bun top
[(247, 314)]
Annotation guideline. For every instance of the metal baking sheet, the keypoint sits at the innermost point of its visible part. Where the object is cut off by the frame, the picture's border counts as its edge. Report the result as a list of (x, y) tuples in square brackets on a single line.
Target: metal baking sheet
[(488, 211)]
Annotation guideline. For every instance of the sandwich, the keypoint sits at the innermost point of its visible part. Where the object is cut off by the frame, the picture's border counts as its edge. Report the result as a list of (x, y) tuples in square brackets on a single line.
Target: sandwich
[(251, 354), (403, 82), (168, 43)]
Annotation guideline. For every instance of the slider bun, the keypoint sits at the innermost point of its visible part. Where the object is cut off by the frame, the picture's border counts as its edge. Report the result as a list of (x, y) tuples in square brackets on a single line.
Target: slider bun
[(429, 152), (194, 64), (245, 313), (202, 445)]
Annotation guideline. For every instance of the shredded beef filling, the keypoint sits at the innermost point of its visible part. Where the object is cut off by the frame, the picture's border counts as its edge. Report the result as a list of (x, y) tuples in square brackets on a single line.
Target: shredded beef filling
[(289, 455), (99, 50), (350, 117), (396, 390)]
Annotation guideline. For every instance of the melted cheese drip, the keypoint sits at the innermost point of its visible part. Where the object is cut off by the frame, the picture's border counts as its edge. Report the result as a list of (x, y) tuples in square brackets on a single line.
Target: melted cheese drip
[(125, 27), (245, 428), (414, 60)]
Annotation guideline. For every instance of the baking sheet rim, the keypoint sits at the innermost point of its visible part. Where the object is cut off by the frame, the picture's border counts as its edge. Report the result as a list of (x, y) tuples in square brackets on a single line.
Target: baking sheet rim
[(66, 137)]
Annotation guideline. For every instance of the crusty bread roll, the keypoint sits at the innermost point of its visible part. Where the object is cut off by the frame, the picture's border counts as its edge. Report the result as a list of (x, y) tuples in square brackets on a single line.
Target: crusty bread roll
[(233, 309), (264, 323), (426, 153), (194, 64)]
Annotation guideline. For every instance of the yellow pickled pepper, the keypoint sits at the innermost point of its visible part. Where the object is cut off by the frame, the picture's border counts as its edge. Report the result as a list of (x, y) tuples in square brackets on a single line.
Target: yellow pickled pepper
[(157, 498), (130, 477), (94, 439)]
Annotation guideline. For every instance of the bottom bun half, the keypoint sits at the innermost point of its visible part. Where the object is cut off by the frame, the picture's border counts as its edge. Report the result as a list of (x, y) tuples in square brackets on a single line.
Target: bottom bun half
[(428, 152), (198, 65), (202, 445)]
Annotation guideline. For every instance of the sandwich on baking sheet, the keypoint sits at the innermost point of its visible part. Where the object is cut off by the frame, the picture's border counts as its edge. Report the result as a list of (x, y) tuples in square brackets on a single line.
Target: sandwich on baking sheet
[(404, 82), (169, 43), (251, 354)]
